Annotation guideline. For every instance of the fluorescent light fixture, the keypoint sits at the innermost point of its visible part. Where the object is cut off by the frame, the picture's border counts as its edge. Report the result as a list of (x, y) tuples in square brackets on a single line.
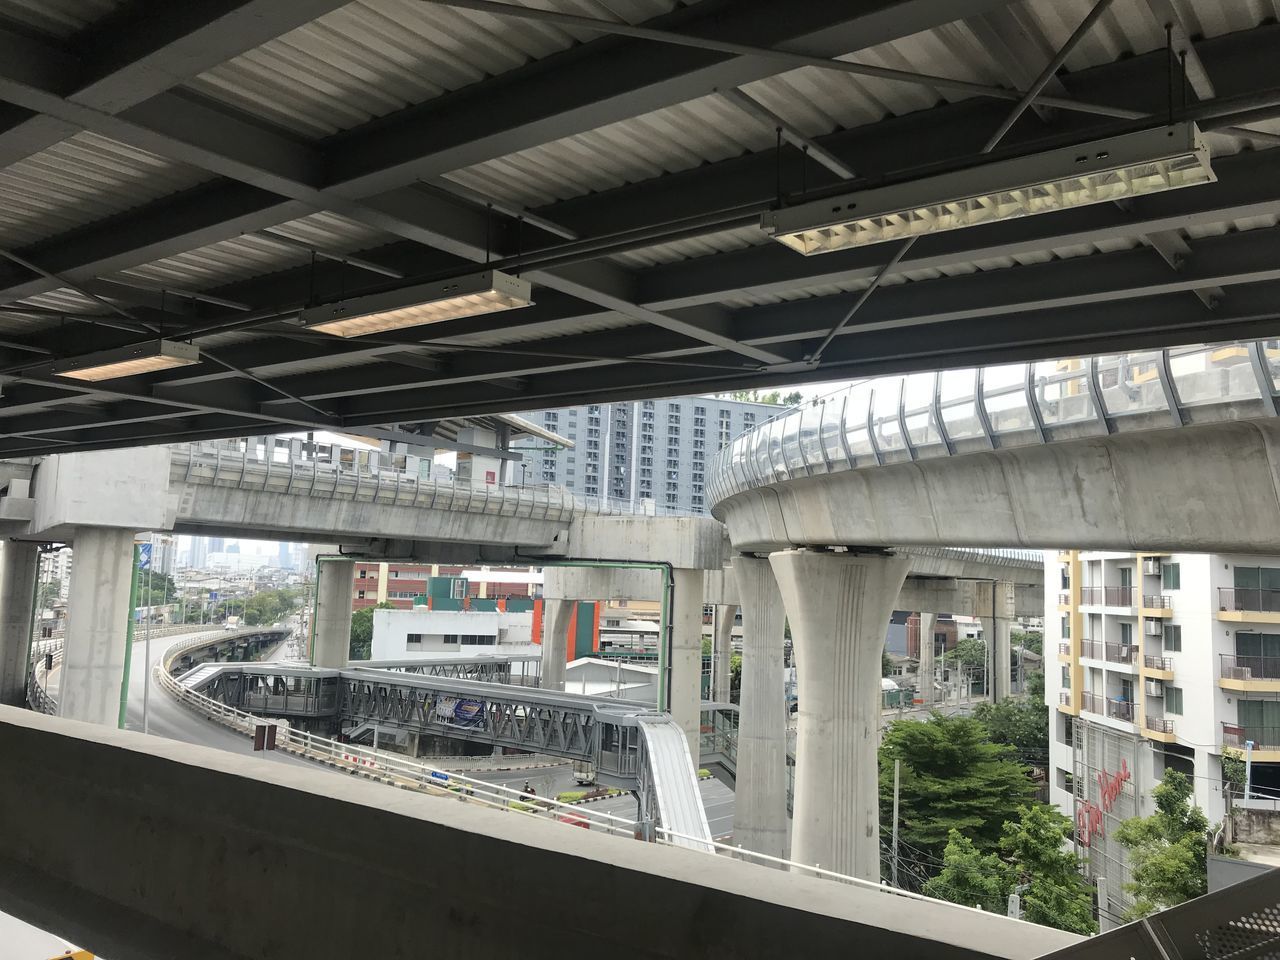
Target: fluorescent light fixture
[(487, 292), (128, 361), (1114, 168)]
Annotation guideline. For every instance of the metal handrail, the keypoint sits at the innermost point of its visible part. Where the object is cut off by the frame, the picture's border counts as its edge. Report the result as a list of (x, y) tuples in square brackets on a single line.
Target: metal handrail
[(1157, 601), (1259, 599), (1119, 709), (953, 412), (1233, 666), (1239, 735), (1157, 663), (1159, 724)]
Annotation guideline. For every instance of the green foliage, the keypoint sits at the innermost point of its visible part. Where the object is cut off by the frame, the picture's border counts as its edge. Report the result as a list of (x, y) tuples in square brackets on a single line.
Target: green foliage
[(706, 647), (1035, 687), (886, 664), (953, 778), (1233, 768), (155, 589), (972, 878), (735, 677), (1167, 850), (1022, 723), (793, 399), (268, 606), (1033, 640), (1032, 862), (46, 596), (571, 796), (971, 652), (362, 631)]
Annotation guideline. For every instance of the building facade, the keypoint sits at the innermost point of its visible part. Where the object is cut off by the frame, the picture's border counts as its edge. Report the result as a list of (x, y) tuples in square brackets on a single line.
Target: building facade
[(641, 450), (1163, 662), (400, 583)]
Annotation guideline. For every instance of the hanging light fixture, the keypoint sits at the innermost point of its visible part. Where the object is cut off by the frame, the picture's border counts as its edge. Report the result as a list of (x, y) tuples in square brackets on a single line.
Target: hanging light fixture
[(128, 361), (486, 292), (1113, 168)]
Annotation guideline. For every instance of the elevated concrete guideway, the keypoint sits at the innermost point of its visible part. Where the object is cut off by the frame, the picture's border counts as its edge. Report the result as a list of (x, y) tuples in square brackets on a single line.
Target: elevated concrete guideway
[(1122, 452)]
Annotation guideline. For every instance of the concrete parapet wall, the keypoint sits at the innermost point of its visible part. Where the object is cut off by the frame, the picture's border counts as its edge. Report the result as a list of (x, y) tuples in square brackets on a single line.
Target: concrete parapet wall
[(691, 543), (1209, 488), (125, 489), (143, 847)]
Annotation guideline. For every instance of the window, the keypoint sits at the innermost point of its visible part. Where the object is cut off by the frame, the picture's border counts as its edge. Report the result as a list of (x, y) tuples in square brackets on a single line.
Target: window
[(1126, 634), (1173, 700), (451, 639), (363, 574), (1066, 677), (1066, 628), (359, 594), (413, 640), (1172, 638), (1171, 576)]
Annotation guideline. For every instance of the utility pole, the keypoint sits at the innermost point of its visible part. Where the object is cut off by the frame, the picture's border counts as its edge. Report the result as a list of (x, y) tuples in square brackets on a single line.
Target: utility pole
[(893, 861)]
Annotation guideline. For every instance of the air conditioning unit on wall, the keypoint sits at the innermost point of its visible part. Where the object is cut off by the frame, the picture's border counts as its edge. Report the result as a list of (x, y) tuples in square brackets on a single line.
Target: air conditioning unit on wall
[(1153, 628), (1151, 567), (1154, 688)]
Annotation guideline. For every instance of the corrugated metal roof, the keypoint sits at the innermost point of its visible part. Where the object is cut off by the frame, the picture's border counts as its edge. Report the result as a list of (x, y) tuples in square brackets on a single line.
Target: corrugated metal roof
[(253, 254), (82, 179), (60, 18), (524, 333), (374, 57)]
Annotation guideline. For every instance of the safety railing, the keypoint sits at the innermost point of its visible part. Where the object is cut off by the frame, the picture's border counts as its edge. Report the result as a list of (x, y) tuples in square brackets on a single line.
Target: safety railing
[(1064, 649), (1093, 703), (1158, 724), (1118, 709), (1064, 697), (1157, 663), (1121, 653), (249, 468), (1091, 649), (1239, 736), (1233, 666), (1237, 599), (1156, 601), (1064, 599), (952, 412)]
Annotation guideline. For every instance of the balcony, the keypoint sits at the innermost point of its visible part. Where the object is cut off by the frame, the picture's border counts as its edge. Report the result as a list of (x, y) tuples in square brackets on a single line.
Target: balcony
[(1064, 650), (1107, 596), (1121, 653), (1157, 668), (1266, 740), (1092, 703), (1064, 698), (1248, 603), (1158, 728), (1120, 709), (1249, 673), (1091, 649), (1157, 605)]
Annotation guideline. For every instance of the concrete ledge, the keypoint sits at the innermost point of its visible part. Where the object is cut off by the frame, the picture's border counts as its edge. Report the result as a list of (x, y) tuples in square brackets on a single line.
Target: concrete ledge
[(143, 847)]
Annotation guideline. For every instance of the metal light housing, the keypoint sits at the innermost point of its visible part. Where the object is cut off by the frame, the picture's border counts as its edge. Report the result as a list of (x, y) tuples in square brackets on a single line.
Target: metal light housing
[(489, 291), (1113, 168), (128, 361)]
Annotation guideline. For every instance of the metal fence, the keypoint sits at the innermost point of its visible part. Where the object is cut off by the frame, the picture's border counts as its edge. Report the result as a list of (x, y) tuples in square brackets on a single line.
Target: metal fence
[(1249, 598)]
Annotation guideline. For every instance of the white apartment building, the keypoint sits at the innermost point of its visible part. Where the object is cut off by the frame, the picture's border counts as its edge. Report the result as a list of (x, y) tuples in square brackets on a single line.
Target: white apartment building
[(405, 634), (1162, 662)]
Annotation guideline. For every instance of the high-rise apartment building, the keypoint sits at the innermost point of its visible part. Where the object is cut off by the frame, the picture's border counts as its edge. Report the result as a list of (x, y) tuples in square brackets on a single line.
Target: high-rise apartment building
[(1163, 661), (641, 450)]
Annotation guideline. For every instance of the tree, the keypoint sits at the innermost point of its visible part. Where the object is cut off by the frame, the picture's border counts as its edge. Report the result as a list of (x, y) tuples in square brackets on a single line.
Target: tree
[(362, 631), (755, 396), (886, 663), (1032, 863), (1167, 853), (971, 652), (953, 778), (1022, 723), (793, 399), (735, 678), (971, 878)]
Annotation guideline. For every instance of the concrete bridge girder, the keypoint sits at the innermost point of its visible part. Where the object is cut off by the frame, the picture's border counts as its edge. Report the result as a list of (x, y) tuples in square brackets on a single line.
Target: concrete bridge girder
[(1152, 490)]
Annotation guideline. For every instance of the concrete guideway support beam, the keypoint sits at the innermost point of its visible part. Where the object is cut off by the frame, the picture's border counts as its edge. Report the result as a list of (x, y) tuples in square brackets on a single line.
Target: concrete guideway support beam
[(838, 605), (760, 812), (130, 843), (93, 654), (331, 646), (685, 696), (555, 641), (722, 652), (926, 671), (19, 569)]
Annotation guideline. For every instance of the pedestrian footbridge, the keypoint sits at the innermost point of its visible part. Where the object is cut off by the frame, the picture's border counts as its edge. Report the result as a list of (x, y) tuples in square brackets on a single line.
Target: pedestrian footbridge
[(1172, 449)]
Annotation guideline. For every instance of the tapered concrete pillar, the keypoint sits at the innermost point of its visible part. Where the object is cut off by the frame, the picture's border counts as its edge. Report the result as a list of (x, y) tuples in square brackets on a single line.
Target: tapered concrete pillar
[(556, 615), (331, 647), (838, 605), (686, 656), (1001, 652), (760, 802), (19, 567), (926, 670), (722, 653), (93, 653)]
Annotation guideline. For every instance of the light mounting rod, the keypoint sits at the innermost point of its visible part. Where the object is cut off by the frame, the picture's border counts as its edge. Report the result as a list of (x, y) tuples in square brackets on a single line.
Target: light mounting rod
[(128, 361), (1112, 168), (489, 291)]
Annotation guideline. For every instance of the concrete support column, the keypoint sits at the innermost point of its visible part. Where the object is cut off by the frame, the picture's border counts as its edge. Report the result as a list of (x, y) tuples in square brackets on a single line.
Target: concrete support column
[(926, 671), (19, 568), (1001, 652), (331, 647), (722, 653), (555, 641), (98, 613), (838, 605), (760, 810), (685, 695)]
